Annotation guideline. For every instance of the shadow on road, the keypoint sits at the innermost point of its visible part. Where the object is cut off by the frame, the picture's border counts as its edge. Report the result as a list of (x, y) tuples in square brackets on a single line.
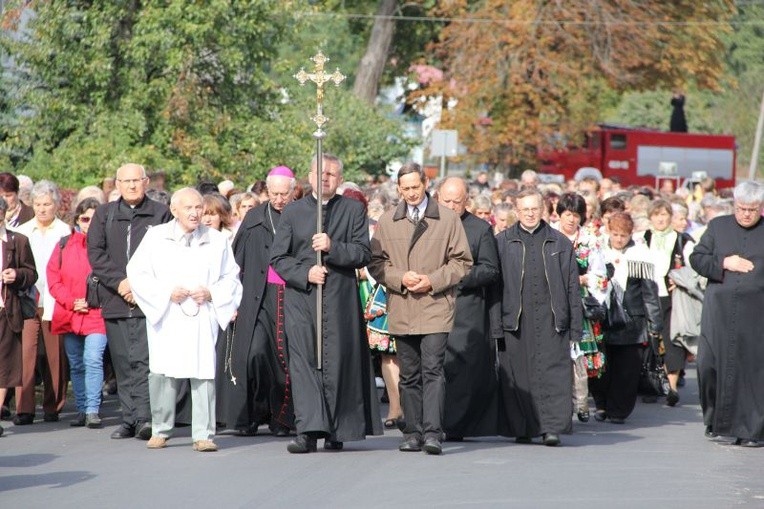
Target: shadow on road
[(53, 480)]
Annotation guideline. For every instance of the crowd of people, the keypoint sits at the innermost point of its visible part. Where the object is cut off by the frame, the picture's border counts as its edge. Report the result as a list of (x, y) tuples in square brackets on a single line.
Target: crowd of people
[(483, 307)]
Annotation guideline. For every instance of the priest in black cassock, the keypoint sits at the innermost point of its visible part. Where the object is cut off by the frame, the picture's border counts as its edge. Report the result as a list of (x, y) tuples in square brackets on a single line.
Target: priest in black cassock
[(337, 403), (470, 408), (535, 319), (731, 346), (252, 375)]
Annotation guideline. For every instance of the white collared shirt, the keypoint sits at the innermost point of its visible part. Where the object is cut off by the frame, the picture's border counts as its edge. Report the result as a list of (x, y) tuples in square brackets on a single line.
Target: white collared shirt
[(421, 208), (43, 242)]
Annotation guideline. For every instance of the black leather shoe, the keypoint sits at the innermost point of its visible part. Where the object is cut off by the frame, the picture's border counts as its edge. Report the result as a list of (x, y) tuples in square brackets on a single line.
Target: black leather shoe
[(333, 445), (143, 430), (551, 439), (600, 416), (710, 433), (124, 431), (50, 417), (523, 440), (672, 398), (302, 444), (410, 445), (454, 438), (432, 446), (23, 419), (583, 416), (79, 421), (744, 442), (617, 420)]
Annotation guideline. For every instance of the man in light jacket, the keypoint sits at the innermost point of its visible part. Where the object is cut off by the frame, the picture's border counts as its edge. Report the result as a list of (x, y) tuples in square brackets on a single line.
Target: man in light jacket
[(420, 253)]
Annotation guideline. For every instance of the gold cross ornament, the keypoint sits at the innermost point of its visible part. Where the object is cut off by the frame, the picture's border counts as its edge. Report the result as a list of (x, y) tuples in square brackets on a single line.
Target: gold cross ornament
[(320, 77)]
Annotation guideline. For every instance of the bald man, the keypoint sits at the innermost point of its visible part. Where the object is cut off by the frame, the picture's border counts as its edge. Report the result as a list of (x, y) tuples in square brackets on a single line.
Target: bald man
[(116, 231), (471, 384)]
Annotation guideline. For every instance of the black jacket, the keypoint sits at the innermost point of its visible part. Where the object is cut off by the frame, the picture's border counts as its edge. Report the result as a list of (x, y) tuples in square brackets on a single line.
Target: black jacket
[(252, 250), (561, 271), (642, 304), (115, 233)]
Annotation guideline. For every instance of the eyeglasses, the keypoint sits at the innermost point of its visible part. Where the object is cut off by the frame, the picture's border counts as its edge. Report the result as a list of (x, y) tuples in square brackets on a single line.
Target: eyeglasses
[(748, 210), (130, 182), (83, 219)]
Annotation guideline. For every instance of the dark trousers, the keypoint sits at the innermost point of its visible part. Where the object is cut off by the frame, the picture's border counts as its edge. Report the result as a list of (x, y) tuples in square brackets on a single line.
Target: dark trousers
[(36, 337), (707, 380), (422, 383), (616, 391), (129, 347), (268, 363)]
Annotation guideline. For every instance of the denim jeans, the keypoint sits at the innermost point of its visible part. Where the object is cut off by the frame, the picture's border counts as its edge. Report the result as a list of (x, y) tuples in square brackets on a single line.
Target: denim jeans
[(85, 355)]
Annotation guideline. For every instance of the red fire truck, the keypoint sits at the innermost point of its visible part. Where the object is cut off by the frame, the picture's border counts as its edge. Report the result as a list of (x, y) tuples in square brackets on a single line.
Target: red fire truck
[(643, 156)]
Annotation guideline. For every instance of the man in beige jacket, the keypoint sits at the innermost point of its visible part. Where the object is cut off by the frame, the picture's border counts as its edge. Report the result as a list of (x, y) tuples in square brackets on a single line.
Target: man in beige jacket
[(420, 253)]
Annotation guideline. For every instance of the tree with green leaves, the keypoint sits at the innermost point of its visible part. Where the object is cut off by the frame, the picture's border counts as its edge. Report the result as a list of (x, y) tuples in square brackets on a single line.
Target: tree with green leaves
[(192, 88)]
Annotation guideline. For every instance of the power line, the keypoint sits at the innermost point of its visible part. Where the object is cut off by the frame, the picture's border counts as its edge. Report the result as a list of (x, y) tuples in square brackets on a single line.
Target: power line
[(434, 19)]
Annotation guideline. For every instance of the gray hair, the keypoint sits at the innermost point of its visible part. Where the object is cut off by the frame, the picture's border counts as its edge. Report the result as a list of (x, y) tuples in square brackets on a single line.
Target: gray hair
[(134, 165), (44, 187), (482, 202), (680, 208), (328, 158), (292, 181), (749, 192)]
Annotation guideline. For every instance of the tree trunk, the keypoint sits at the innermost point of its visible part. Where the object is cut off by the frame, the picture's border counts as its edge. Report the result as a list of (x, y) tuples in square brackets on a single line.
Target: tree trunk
[(373, 62)]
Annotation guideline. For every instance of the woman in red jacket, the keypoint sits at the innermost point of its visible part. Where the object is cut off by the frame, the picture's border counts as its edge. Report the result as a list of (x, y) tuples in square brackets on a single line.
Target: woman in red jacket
[(83, 327)]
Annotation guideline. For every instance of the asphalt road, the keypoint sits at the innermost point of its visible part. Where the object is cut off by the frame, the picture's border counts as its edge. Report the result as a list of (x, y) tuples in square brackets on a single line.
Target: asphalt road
[(659, 458)]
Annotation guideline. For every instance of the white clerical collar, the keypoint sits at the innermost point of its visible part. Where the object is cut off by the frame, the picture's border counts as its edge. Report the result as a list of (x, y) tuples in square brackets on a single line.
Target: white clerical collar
[(421, 207), (323, 202), (530, 231)]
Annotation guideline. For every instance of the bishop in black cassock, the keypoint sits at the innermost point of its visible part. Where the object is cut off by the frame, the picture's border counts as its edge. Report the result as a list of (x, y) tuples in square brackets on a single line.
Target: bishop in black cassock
[(253, 385), (337, 403)]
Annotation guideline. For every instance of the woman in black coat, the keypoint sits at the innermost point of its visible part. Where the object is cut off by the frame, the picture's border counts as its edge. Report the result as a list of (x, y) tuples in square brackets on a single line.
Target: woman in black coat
[(632, 277)]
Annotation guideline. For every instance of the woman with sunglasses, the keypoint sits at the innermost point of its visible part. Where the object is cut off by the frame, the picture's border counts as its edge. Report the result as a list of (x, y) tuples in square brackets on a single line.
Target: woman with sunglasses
[(82, 326)]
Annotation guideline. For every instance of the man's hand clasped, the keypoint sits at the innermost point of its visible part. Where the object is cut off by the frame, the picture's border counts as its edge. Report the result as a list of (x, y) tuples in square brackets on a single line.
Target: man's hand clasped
[(416, 283)]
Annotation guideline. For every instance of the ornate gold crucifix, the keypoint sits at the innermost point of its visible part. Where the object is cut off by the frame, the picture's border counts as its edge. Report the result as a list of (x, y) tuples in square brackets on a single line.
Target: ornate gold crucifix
[(320, 77)]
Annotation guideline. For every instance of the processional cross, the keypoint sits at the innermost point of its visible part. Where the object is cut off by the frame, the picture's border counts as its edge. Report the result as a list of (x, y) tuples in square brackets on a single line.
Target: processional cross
[(320, 78)]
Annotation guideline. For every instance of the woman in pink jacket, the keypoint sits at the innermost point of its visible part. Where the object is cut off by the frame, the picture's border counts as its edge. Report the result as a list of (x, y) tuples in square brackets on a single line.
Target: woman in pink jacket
[(83, 327)]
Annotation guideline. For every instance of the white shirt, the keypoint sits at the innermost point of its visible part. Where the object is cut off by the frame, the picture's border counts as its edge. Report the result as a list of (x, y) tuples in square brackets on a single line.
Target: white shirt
[(421, 208), (43, 242)]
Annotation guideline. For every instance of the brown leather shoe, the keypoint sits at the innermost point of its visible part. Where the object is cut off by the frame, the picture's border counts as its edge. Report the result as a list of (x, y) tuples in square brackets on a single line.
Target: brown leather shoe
[(205, 446), (156, 443)]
